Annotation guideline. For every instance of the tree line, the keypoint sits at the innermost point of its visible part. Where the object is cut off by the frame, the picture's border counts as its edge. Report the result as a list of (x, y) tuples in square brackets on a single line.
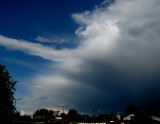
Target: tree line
[(8, 112), (73, 116)]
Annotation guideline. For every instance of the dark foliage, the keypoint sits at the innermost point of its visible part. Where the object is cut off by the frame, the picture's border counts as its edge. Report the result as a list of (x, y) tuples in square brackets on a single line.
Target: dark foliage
[(72, 115), (152, 110), (132, 109), (7, 88), (43, 114)]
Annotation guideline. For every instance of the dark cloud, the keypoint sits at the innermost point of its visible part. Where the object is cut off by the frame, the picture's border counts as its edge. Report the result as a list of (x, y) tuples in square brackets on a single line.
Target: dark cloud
[(116, 63)]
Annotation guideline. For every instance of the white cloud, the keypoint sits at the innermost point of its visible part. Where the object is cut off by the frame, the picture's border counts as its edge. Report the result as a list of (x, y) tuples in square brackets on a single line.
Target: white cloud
[(49, 40), (117, 59), (36, 49)]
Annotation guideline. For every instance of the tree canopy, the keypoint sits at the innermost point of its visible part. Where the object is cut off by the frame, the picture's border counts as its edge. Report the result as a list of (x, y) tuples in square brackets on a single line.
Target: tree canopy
[(132, 109), (7, 89), (72, 115), (44, 112)]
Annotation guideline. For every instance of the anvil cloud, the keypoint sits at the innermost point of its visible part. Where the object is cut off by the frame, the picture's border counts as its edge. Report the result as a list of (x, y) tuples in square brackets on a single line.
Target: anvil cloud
[(116, 63)]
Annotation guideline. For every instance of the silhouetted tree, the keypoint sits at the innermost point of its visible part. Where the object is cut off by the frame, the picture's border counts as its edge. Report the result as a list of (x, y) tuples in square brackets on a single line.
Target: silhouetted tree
[(103, 117), (64, 116), (112, 116), (18, 117), (152, 111), (84, 118), (132, 109), (7, 89), (43, 114), (72, 115)]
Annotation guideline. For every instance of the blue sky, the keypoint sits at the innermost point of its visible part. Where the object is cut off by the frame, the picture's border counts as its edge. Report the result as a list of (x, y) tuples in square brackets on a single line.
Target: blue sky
[(29, 19), (87, 54), (32, 18)]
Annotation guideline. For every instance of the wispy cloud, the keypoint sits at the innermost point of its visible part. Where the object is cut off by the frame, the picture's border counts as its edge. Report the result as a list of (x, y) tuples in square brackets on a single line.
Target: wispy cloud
[(23, 63), (36, 49), (49, 40)]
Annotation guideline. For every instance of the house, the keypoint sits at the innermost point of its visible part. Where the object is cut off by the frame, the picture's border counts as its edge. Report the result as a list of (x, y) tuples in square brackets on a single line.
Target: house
[(129, 117)]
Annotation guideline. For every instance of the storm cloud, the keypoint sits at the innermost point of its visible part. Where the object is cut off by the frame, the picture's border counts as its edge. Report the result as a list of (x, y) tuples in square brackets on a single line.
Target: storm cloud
[(118, 60), (116, 63)]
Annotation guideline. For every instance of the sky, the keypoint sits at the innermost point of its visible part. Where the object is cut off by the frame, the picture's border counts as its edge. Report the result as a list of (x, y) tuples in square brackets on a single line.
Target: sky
[(87, 54)]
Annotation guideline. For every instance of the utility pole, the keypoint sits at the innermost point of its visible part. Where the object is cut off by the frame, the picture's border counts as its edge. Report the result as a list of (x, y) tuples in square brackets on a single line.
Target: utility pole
[(16, 100), (63, 107), (94, 112)]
